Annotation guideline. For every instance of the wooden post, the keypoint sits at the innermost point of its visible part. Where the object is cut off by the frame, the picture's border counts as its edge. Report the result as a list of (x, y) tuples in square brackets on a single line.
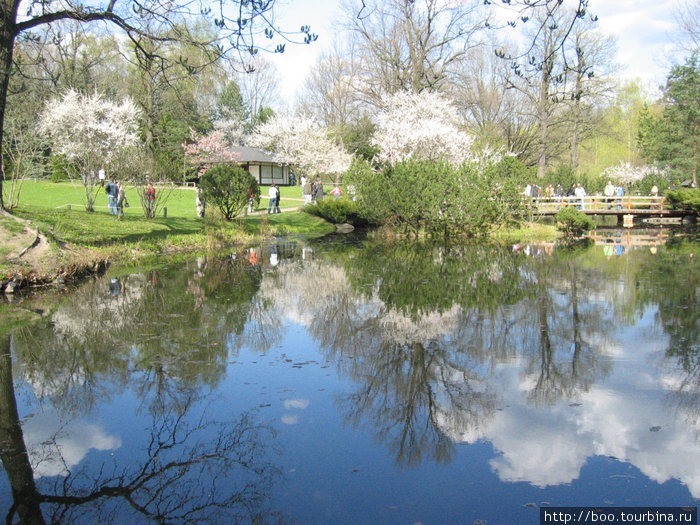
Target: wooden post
[(165, 213)]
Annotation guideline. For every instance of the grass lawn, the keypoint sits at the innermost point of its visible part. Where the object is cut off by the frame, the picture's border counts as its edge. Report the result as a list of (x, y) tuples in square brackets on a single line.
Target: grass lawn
[(100, 235), (180, 202)]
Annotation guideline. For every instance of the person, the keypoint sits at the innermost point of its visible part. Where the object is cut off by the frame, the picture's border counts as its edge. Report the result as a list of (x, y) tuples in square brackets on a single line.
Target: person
[(151, 200), (351, 192), (253, 258), (277, 199), (580, 192), (317, 190), (306, 190), (654, 194), (200, 202), (559, 190), (609, 191), (272, 194), (336, 191), (121, 199), (619, 192), (112, 195), (251, 201)]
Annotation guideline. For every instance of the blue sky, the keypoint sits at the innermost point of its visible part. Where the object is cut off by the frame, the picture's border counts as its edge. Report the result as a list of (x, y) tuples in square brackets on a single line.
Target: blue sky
[(644, 30)]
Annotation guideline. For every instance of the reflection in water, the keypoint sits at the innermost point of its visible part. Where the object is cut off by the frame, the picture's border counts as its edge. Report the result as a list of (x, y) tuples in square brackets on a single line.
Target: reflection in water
[(190, 467), (553, 355)]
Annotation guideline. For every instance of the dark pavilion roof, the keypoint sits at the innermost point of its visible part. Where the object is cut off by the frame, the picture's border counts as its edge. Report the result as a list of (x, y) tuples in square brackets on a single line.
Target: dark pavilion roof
[(254, 155)]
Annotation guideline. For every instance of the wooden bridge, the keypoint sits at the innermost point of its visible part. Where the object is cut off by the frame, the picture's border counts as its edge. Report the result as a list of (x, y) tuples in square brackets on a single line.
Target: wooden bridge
[(600, 205)]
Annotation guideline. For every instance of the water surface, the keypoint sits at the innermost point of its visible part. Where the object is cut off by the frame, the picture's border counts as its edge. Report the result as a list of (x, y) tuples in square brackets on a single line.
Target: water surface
[(350, 381)]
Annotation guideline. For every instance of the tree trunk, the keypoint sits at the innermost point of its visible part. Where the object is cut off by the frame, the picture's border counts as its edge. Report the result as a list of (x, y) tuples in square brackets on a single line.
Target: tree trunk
[(544, 104), (576, 126), (543, 117), (695, 156), (13, 451), (8, 32)]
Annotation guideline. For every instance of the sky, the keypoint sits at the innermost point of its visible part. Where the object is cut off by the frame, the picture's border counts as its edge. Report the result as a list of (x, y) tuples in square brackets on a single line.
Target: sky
[(644, 30)]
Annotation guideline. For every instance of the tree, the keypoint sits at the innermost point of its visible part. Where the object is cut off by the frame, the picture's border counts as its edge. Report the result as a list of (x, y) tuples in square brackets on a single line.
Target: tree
[(687, 16), (331, 91), (89, 131), (238, 26), (541, 84), (68, 56), (229, 188), (303, 142), (258, 89), (560, 78), (420, 126), (24, 148), (498, 115), (673, 138), (210, 149), (590, 61), (411, 46), (540, 16)]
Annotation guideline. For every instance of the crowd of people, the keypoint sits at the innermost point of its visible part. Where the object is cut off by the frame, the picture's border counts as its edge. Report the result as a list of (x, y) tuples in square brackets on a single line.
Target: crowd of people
[(117, 202), (613, 193)]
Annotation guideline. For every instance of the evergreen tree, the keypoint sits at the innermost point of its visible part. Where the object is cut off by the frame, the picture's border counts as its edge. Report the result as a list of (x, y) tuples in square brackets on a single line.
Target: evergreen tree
[(672, 138)]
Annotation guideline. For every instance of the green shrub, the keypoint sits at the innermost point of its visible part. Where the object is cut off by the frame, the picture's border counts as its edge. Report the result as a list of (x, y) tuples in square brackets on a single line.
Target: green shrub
[(435, 197), (229, 187), (60, 169), (685, 198), (336, 211), (573, 222), (512, 169)]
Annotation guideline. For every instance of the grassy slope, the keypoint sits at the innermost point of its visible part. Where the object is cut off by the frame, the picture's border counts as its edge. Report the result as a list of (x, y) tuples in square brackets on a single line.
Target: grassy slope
[(99, 235)]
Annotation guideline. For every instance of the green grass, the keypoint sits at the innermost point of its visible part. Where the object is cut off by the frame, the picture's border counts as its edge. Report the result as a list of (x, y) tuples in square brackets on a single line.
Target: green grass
[(133, 236), (528, 232), (11, 225), (180, 201), (43, 194)]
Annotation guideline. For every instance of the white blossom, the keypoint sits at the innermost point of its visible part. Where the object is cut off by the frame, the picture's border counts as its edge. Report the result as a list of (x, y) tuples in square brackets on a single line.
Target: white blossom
[(88, 128), (628, 173), (422, 126), (302, 142)]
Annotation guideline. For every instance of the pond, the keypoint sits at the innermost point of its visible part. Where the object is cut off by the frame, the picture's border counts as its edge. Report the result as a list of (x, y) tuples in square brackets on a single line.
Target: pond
[(345, 380)]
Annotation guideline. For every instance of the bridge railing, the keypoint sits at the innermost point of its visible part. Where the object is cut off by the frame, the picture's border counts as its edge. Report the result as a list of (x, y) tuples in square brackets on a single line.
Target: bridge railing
[(597, 203)]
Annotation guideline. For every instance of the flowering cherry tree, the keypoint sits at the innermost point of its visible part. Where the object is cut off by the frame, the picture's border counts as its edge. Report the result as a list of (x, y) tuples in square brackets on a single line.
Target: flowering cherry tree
[(90, 131), (421, 126), (210, 149), (629, 174), (302, 142)]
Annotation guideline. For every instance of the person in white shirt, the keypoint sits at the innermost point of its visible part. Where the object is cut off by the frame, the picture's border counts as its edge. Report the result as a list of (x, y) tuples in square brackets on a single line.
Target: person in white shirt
[(580, 192), (272, 194)]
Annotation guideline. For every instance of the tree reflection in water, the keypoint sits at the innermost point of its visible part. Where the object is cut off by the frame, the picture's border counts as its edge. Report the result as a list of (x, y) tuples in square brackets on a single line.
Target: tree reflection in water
[(191, 469), (422, 331), (165, 345)]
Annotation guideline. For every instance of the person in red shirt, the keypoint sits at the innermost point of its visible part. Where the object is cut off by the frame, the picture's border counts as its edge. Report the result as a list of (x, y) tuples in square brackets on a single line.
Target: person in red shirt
[(151, 199)]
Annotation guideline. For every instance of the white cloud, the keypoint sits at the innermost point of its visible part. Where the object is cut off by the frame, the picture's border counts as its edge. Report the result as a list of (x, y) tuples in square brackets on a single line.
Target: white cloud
[(643, 29), (615, 418), (296, 403), (54, 448)]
